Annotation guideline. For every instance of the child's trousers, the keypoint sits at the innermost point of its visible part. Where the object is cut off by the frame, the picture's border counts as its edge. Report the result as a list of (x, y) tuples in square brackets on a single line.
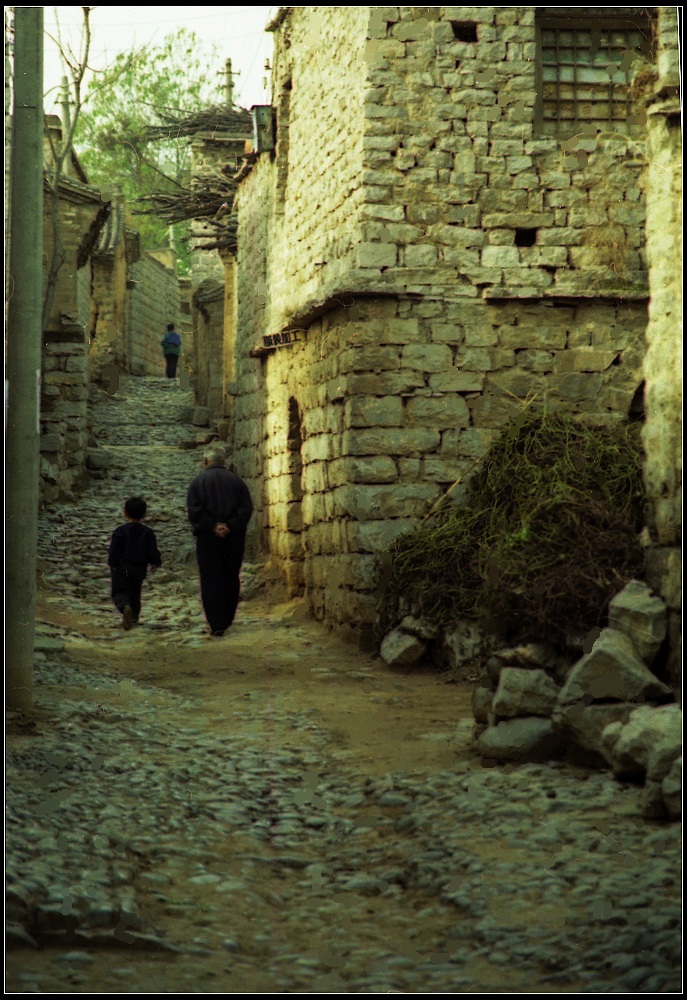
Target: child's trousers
[(127, 580)]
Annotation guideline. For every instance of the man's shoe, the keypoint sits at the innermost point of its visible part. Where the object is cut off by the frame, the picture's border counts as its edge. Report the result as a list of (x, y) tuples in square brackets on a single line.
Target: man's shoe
[(217, 635), (127, 618)]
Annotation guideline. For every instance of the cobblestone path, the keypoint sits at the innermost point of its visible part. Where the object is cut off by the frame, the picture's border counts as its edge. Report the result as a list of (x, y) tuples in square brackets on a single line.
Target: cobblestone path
[(275, 812)]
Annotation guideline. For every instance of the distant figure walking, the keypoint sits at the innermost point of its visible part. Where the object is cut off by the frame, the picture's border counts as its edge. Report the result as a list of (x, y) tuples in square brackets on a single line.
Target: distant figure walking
[(219, 509), (133, 547), (171, 347)]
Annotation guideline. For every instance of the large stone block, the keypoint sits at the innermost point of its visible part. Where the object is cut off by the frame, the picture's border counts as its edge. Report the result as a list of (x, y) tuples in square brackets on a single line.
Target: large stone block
[(376, 536), (369, 359), (373, 411), (385, 383), (438, 412), (456, 380), (376, 254), (523, 692), (372, 469), (406, 441), (427, 357), (398, 500), (641, 616), (50, 442), (584, 359)]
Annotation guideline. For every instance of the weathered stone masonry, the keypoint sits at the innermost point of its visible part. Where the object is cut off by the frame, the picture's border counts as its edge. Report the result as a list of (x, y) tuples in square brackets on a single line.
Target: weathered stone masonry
[(663, 360), (442, 257)]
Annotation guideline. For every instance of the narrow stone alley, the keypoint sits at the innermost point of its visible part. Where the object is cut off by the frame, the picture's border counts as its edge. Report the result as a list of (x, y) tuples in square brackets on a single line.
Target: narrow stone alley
[(277, 812)]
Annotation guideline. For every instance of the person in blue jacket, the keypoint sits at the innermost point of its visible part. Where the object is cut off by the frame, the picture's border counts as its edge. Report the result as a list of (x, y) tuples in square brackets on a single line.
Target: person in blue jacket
[(171, 347)]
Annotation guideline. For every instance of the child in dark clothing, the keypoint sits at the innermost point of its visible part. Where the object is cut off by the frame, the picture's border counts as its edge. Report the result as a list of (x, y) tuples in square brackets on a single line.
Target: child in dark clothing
[(133, 547)]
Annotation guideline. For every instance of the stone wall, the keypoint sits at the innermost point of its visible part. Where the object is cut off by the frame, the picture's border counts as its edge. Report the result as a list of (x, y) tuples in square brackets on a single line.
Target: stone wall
[(153, 303), (64, 376), (64, 414), (663, 361), (108, 321), (208, 346), (442, 261)]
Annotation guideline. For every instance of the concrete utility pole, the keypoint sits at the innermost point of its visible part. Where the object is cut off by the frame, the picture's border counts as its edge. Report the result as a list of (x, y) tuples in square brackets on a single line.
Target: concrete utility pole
[(23, 371)]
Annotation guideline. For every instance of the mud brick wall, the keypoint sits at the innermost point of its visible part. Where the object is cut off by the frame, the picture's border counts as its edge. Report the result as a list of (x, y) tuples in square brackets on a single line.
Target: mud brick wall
[(153, 303), (476, 262)]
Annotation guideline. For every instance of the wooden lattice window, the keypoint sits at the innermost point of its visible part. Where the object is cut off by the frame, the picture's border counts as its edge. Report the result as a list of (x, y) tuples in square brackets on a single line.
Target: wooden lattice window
[(586, 63)]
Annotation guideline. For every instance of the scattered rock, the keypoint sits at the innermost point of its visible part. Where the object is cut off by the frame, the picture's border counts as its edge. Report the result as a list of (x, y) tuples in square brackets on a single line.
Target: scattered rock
[(201, 416), (612, 671), (646, 728), (462, 644), (423, 628), (641, 616), (672, 789), (531, 739), (481, 703), (523, 692), (399, 649), (531, 654), (585, 726)]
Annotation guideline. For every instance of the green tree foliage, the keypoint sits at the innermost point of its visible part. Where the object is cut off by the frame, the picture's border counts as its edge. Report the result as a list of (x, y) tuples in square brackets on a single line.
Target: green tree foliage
[(120, 105)]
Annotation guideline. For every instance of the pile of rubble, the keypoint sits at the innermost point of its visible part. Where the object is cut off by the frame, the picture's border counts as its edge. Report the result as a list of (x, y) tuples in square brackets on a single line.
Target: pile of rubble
[(607, 708)]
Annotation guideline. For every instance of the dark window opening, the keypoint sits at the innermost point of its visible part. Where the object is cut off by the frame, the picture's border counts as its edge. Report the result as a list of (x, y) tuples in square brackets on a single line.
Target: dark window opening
[(525, 237), (282, 152), (636, 413), (464, 31)]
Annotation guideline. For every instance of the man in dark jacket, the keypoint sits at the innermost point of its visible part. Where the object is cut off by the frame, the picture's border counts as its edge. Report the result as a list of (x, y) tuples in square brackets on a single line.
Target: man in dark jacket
[(219, 509)]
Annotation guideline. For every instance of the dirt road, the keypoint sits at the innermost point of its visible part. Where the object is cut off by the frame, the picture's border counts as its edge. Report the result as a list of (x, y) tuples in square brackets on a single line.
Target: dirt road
[(277, 812)]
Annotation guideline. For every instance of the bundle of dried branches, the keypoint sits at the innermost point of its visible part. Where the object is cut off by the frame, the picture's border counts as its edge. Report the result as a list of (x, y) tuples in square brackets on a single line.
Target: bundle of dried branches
[(209, 198), (546, 534), (176, 124)]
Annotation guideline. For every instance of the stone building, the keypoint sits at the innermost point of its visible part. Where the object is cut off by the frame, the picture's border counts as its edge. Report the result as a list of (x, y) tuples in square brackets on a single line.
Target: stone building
[(64, 377), (448, 219), (215, 155)]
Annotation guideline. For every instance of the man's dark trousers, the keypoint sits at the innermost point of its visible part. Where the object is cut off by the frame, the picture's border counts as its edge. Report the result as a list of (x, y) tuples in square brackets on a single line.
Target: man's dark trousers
[(127, 580), (219, 564), (172, 361)]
